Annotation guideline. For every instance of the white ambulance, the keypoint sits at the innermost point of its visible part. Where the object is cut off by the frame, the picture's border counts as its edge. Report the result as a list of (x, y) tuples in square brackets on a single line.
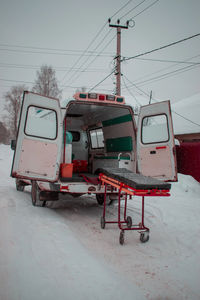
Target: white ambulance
[(59, 150)]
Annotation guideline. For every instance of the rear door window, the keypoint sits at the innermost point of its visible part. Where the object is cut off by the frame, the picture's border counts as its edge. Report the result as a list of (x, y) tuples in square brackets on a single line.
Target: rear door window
[(155, 129), (41, 122), (97, 138)]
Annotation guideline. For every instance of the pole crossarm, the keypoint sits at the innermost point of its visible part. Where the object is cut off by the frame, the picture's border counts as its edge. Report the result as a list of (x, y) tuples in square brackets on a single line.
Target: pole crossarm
[(117, 26)]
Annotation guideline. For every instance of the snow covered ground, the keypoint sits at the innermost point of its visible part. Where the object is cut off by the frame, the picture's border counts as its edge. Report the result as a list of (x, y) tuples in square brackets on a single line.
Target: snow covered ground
[(60, 252)]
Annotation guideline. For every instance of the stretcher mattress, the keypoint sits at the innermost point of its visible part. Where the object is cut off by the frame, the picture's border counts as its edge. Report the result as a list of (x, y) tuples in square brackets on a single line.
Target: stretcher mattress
[(136, 181)]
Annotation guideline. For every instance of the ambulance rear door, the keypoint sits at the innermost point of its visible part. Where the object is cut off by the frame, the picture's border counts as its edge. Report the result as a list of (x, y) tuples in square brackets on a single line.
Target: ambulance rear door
[(39, 139), (155, 142)]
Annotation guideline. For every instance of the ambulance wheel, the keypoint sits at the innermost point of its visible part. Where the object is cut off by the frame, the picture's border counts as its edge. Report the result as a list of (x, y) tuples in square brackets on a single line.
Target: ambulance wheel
[(35, 195), (144, 237), (19, 186), (121, 237), (129, 221), (100, 199), (103, 223)]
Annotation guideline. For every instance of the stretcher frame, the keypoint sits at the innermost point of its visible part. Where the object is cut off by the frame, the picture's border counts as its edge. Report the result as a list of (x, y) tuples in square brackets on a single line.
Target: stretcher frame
[(126, 223)]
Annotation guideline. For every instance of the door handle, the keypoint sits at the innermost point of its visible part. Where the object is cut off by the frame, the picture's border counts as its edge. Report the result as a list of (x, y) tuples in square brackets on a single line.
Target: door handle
[(153, 152)]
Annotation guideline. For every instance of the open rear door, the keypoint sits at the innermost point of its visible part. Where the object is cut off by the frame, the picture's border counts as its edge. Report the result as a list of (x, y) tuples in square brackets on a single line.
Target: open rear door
[(39, 140), (155, 142)]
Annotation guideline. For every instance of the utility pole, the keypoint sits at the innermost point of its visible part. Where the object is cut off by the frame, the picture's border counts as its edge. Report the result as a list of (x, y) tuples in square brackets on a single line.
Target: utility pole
[(118, 55)]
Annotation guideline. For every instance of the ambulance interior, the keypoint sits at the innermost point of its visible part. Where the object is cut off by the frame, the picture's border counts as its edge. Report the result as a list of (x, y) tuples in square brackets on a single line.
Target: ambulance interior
[(98, 135)]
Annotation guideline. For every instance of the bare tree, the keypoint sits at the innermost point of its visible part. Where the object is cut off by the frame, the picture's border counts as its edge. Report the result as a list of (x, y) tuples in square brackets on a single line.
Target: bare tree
[(46, 82), (13, 99), (4, 134)]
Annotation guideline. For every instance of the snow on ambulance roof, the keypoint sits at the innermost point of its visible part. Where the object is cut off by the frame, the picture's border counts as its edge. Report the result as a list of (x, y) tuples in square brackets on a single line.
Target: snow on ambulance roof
[(186, 115)]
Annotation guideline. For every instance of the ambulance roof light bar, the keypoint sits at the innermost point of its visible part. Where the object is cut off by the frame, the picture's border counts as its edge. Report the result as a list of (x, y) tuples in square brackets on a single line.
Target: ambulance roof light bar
[(95, 97)]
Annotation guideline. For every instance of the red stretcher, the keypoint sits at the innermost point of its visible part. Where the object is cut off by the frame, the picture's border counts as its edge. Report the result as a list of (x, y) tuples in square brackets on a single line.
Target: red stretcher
[(130, 184)]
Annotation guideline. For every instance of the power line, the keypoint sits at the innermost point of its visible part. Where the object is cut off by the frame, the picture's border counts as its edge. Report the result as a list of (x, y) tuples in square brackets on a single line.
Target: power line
[(168, 74), (93, 40), (21, 81), (132, 9), (133, 84), (96, 36), (131, 92), (170, 61), (44, 48), (144, 9), (186, 60), (79, 74), (88, 54), (162, 47), (101, 81), (190, 121), (29, 82), (37, 67), (122, 8), (86, 60), (157, 101)]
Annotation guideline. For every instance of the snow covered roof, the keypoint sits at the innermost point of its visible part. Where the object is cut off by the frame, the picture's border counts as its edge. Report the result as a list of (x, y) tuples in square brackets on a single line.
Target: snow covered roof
[(186, 115)]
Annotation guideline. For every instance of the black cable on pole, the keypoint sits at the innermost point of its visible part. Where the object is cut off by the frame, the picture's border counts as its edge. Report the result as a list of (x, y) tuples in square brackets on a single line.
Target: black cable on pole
[(162, 47)]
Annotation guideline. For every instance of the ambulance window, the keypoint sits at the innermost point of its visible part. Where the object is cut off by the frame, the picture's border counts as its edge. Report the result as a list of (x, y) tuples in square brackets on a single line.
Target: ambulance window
[(155, 129), (41, 122), (97, 139)]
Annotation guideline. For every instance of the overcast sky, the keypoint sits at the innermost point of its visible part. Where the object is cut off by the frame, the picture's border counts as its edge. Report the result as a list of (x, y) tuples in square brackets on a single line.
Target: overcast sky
[(57, 33)]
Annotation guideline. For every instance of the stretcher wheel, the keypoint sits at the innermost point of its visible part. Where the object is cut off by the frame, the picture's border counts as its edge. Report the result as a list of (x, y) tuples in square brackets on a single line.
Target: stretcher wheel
[(129, 221), (103, 223), (19, 186), (121, 237), (144, 237), (35, 195)]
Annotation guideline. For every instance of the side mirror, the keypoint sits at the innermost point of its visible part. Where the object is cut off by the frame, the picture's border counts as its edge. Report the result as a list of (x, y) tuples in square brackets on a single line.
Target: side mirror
[(13, 144)]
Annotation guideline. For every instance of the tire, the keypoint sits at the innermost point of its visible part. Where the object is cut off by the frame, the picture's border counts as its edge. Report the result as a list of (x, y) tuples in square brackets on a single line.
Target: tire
[(19, 186), (35, 195), (100, 199)]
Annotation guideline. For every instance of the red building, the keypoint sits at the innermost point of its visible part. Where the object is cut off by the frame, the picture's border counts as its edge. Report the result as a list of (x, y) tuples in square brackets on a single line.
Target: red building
[(186, 120)]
